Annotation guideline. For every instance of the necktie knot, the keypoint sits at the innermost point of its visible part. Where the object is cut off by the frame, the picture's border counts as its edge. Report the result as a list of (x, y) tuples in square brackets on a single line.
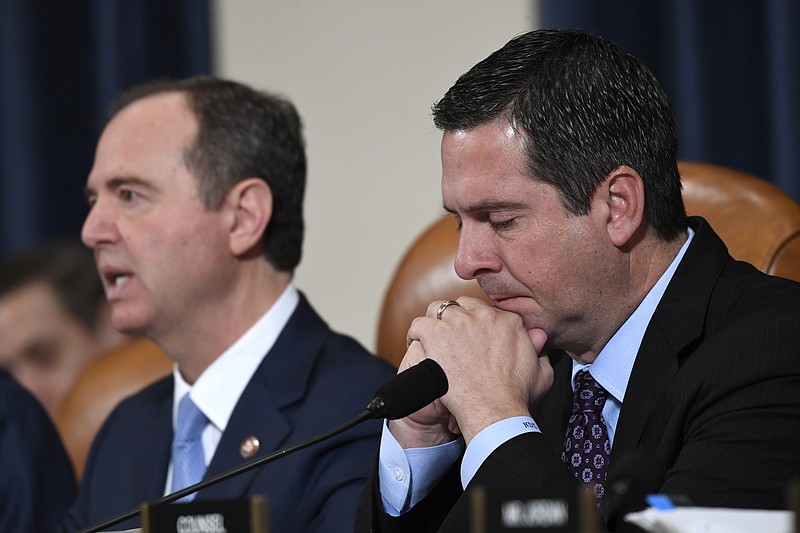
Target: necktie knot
[(191, 421), (589, 394)]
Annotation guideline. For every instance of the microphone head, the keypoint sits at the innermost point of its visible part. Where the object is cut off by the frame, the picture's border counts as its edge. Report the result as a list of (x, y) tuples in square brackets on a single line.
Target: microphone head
[(409, 391)]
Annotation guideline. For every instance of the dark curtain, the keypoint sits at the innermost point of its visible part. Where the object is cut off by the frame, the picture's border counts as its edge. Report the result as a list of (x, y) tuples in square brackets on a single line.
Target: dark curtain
[(730, 67), (61, 63)]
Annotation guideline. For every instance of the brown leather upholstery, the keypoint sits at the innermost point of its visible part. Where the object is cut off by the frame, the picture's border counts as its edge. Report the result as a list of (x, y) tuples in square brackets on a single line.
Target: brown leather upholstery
[(758, 222), (425, 274), (106, 381)]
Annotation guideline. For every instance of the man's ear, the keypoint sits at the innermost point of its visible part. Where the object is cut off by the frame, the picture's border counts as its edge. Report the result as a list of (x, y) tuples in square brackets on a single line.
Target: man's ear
[(624, 197), (250, 204)]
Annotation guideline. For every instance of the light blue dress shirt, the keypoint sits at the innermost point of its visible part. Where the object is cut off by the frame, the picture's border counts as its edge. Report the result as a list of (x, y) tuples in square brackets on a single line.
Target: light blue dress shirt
[(407, 476)]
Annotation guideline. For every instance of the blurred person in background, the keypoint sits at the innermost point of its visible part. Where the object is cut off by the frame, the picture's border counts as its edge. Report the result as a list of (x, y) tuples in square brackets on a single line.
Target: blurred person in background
[(54, 318)]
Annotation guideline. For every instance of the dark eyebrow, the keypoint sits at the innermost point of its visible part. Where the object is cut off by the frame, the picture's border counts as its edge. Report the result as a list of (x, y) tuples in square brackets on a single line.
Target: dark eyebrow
[(116, 183), (485, 207)]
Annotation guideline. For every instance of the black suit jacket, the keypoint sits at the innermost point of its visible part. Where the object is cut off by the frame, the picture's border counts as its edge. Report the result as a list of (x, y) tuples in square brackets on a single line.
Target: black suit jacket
[(712, 405), (312, 380)]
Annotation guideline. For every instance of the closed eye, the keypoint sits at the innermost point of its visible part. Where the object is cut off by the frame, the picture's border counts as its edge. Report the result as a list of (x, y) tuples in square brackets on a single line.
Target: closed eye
[(502, 224)]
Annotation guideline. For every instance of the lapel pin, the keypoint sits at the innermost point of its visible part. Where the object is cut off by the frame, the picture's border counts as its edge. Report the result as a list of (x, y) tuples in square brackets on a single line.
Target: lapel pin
[(249, 447)]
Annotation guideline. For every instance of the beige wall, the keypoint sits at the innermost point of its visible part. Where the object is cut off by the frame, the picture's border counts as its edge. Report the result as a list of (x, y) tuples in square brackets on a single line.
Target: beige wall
[(363, 75)]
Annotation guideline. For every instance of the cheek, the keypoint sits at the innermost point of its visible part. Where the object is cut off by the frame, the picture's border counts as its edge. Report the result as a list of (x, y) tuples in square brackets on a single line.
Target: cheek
[(163, 243), (553, 267), (534, 261), (199, 233), (199, 258), (541, 274)]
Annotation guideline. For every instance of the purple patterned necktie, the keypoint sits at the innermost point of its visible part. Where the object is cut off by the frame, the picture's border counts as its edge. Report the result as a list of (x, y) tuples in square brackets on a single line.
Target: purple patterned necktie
[(586, 446)]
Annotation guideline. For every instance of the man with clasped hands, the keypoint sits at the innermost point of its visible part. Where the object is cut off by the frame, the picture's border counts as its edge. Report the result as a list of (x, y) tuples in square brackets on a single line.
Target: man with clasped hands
[(559, 165)]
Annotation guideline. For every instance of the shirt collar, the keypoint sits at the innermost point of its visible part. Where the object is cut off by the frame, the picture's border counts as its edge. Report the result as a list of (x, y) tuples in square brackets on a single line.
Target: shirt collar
[(613, 366), (219, 387)]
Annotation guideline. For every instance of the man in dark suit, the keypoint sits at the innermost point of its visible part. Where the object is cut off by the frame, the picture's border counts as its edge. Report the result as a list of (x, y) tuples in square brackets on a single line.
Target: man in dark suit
[(37, 483), (623, 336), (196, 224)]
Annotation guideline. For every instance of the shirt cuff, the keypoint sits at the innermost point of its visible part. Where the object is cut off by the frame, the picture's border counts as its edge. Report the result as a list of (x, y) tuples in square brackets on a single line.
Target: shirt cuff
[(400, 490), (489, 439)]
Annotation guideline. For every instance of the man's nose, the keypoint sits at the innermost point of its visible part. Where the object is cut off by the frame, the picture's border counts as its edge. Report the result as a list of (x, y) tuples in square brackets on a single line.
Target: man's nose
[(99, 225), (476, 254)]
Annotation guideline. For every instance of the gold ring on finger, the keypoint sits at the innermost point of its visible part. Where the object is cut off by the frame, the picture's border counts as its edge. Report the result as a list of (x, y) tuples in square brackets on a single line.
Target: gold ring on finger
[(445, 305)]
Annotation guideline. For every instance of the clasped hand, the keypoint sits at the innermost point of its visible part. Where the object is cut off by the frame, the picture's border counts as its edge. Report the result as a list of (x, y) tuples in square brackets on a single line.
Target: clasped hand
[(494, 366)]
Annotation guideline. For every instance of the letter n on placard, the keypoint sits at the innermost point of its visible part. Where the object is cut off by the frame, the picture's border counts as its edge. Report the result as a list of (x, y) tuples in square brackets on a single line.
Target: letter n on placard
[(208, 516), (557, 510)]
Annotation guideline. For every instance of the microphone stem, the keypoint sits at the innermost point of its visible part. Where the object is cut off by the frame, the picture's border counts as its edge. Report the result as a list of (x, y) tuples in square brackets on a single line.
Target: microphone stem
[(177, 495)]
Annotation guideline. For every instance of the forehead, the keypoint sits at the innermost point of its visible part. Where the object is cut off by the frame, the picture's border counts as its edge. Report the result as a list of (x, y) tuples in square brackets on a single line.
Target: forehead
[(30, 312), (153, 130), (483, 164), (27, 300)]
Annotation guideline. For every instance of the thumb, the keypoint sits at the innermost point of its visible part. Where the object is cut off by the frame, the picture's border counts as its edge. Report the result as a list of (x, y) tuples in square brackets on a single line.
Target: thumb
[(538, 338)]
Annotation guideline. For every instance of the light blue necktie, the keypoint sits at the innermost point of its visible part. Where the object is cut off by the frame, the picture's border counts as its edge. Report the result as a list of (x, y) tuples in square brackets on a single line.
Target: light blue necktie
[(188, 461)]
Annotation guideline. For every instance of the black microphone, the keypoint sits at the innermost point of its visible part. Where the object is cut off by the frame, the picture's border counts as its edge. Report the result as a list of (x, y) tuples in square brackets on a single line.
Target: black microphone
[(409, 391), (404, 394)]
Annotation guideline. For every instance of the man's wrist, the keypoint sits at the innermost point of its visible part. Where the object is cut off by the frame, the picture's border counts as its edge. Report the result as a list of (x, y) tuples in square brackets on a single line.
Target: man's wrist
[(413, 435)]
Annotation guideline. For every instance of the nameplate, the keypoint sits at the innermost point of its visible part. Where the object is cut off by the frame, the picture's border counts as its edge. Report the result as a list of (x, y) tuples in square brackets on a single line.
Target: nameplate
[(207, 516), (557, 510)]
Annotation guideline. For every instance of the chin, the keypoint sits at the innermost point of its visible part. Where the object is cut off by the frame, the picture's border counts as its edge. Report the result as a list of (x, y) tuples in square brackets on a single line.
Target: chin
[(128, 323)]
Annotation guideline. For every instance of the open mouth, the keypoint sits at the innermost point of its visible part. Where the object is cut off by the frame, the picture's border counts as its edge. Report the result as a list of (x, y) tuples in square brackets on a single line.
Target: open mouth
[(120, 279), (114, 280)]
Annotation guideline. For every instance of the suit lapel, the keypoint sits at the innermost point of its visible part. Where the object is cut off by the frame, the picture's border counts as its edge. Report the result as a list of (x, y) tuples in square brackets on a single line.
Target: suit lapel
[(677, 322), (280, 381), (654, 368)]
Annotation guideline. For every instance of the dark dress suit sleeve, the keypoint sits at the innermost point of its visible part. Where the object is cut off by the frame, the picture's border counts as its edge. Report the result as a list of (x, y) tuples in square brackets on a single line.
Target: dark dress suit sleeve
[(446, 508), (36, 479), (724, 430), (424, 517)]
